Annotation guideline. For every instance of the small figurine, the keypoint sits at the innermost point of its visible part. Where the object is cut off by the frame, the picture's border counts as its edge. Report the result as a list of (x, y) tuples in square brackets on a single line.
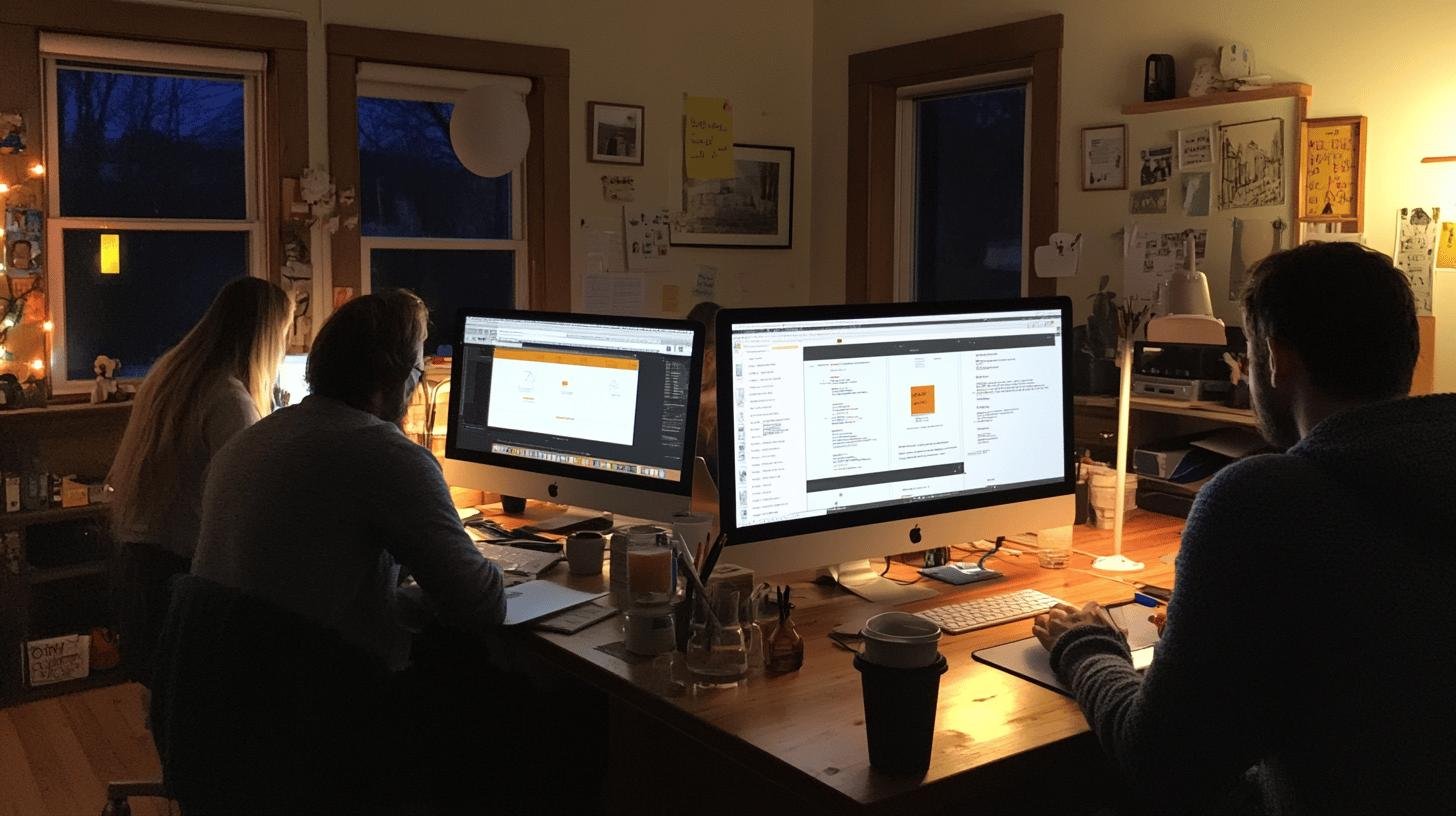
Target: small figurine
[(106, 389)]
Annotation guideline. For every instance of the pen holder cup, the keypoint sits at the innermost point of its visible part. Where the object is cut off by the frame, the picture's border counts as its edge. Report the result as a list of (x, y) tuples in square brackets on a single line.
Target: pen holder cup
[(899, 707)]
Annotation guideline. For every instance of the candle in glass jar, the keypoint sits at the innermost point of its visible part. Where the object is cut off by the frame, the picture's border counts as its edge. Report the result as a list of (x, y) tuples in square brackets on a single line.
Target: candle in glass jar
[(649, 570)]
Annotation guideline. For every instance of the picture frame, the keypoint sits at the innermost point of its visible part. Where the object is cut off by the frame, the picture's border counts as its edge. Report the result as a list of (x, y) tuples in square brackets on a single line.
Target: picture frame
[(1195, 147), (1104, 157), (1331, 184), (615, 133), (752, 210)]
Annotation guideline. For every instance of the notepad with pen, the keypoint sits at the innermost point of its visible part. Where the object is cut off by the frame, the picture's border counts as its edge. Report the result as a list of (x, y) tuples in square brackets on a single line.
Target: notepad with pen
[(1028, 659)]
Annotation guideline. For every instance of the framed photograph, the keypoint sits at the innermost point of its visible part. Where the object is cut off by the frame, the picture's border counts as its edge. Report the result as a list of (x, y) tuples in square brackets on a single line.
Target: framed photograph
[(755, 208), (1195, 147), (1104, 157), (614, 133)]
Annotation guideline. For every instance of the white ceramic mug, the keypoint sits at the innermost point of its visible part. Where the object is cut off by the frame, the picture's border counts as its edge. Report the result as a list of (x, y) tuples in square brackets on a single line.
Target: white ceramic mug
[(900, 640), (584, 552)]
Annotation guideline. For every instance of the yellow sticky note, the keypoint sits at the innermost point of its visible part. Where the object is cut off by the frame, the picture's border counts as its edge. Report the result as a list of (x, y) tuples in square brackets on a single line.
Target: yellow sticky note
[(708, 137), (670, 303), (1446, 248), (110, 253)]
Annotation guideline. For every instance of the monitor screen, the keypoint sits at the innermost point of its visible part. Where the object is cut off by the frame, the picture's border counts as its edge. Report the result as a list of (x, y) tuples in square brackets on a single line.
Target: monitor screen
[(291, 386), (602, 399), (849, 415)]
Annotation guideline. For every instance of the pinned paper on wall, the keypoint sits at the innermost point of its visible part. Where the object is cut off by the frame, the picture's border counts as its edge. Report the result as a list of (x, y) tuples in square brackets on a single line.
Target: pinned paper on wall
[(1415, 251), (647, 235), (705, 287), (1197, 193), (601, 244), (1152, 256), (671, 299), (1148, 202), (613, 294), (1446, 250), (707, 137), (619, 188), (1060, 257)]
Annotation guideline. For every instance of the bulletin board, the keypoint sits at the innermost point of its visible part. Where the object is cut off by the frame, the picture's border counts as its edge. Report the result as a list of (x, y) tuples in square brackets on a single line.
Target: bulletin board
[(1332, 173)]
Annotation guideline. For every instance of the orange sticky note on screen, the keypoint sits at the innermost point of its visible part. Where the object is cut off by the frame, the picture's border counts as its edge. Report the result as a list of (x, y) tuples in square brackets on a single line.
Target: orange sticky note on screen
[(922, 399)]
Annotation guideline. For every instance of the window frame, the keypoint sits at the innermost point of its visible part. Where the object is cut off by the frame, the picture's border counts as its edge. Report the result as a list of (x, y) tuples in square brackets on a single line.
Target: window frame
[(144, 56), (907, 200), (282, 40), (409, 84), (545, 188), (871, 220)]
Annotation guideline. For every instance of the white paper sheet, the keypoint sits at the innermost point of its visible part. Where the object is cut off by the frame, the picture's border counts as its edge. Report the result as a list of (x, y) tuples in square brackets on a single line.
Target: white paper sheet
[(1153, 255), (705, 287), (601, 244), (648, 238), (1415, 252), (624, 294)]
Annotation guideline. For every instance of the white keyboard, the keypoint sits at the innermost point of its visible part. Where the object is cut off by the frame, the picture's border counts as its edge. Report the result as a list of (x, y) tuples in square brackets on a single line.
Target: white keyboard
[(955, 619)]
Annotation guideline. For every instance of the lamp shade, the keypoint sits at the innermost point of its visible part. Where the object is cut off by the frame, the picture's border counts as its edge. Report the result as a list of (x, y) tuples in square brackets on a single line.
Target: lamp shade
[(490, 131)]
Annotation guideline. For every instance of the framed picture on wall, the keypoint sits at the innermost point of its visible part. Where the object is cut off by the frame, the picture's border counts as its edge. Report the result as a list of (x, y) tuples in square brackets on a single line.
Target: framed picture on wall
[(614, 133), (755, 208), (1104, 157)]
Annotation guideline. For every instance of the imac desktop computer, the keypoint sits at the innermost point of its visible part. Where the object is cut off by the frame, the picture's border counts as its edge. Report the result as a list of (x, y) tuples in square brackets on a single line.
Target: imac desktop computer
[(586, 410), (866, 431)]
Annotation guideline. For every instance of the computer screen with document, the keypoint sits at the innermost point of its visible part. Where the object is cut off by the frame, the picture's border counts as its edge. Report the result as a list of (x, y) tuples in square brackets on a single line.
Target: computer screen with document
[(608, 400)]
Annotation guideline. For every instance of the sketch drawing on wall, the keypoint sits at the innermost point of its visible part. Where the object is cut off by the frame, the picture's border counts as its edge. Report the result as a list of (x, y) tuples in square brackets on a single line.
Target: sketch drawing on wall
[(1252, 157)]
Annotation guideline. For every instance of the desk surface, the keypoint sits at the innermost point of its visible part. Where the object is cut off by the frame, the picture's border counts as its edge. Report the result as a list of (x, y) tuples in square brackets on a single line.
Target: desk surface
[(806, 730)]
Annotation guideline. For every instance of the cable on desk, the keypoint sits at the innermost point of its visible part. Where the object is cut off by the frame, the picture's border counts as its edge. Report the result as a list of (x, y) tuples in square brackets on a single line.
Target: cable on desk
[(885, 573)]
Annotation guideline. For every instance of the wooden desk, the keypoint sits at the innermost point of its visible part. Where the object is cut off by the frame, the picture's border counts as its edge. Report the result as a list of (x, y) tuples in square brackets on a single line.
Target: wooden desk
[(803, 735)]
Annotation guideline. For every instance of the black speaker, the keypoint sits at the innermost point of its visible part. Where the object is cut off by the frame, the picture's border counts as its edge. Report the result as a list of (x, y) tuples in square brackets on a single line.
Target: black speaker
[(1158, 80)]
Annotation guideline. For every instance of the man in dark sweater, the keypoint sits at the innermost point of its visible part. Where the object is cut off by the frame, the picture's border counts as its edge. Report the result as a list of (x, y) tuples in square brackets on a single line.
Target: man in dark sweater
[(1310, 636)]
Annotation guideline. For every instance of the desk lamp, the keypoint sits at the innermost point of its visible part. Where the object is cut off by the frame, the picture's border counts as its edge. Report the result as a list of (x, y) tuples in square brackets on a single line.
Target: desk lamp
[(1128, 323), (1186, 308)]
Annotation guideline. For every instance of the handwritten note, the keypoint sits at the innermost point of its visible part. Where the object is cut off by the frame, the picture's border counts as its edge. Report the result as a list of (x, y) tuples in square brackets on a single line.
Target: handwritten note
[(705, 287), (1415, 252), (707, 137), (1329, 181)]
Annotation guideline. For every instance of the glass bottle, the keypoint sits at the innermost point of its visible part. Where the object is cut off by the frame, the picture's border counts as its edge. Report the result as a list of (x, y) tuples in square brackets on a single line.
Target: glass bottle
[(784, 651)]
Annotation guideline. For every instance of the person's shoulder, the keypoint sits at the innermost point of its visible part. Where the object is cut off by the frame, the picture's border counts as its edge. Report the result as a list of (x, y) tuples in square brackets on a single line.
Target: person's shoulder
[(387, 442), (1267, 492), (1260, 475)]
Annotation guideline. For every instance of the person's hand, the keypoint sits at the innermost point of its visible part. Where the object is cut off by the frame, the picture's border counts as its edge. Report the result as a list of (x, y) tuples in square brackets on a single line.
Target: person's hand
[(1050, 627)]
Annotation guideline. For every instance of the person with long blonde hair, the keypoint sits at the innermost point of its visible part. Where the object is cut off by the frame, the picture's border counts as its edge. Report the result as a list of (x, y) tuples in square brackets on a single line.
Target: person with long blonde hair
[(216, 382)]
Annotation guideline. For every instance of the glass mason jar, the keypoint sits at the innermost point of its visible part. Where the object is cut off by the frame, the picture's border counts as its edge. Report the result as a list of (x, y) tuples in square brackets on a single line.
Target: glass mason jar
[(717, 653)]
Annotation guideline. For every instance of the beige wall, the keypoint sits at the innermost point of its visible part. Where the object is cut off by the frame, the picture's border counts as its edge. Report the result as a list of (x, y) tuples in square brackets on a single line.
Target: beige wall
[(645, 52), (1368, 64)]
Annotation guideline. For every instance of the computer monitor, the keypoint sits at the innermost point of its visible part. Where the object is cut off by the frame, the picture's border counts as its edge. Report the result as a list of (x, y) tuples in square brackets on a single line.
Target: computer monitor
[(291, 384), (865, 431), (598, 412)]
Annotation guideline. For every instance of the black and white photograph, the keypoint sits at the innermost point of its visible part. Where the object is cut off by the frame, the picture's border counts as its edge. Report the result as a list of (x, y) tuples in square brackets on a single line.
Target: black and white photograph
[(1157, 165), (1148, 202), (752, 209), (614, 132), (1251, 156)]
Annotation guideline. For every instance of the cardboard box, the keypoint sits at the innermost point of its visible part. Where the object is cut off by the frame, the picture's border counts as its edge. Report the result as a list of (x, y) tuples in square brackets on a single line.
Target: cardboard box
[(74, 493)]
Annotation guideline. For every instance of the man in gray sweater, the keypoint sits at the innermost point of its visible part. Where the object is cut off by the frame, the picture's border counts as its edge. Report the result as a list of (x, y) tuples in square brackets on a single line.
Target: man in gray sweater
[(1309, 644), (316, 507)]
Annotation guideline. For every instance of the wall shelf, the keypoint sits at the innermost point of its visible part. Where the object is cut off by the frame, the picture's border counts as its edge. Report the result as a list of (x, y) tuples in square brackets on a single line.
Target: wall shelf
[(1283, 90), (25, 518), (1438, 159)]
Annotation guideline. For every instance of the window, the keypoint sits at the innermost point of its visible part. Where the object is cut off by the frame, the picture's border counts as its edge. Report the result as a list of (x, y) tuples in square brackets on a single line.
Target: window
[(154, 197), (427, 223), (962, 177)]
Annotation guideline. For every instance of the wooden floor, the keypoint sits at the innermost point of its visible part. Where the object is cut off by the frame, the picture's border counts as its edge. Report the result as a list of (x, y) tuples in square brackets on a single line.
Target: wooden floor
[(57, 755)]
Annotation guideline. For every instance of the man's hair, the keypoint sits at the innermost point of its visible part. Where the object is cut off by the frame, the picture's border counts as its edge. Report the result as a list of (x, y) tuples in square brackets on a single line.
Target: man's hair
[(369, 346), (1345, 310)]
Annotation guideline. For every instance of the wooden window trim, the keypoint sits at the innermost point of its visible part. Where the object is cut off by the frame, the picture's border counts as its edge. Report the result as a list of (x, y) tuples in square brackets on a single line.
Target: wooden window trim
[(548, 161), (284, 83), (874, 79)]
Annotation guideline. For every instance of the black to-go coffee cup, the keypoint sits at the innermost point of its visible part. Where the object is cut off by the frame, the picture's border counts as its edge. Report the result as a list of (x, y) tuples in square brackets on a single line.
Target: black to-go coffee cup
[(899, 707)]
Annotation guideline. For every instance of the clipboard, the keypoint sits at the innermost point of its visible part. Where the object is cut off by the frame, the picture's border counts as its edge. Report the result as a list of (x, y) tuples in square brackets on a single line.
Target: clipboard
[(1029, 660)]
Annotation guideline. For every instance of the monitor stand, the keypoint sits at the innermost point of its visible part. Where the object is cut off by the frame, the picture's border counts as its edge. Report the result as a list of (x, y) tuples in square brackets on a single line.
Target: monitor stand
[(861, 578)]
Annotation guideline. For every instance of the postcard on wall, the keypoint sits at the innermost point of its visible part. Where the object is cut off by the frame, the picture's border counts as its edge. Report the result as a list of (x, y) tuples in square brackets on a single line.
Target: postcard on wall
[(1104, 157), (24, 230), (647, 235), (753, 208), (1156, 165), (1148, 202), (619, 188), (1251, 162), (1195, 147), (1153, 255), (705, 284), (1415, 252), (1196, 193)]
